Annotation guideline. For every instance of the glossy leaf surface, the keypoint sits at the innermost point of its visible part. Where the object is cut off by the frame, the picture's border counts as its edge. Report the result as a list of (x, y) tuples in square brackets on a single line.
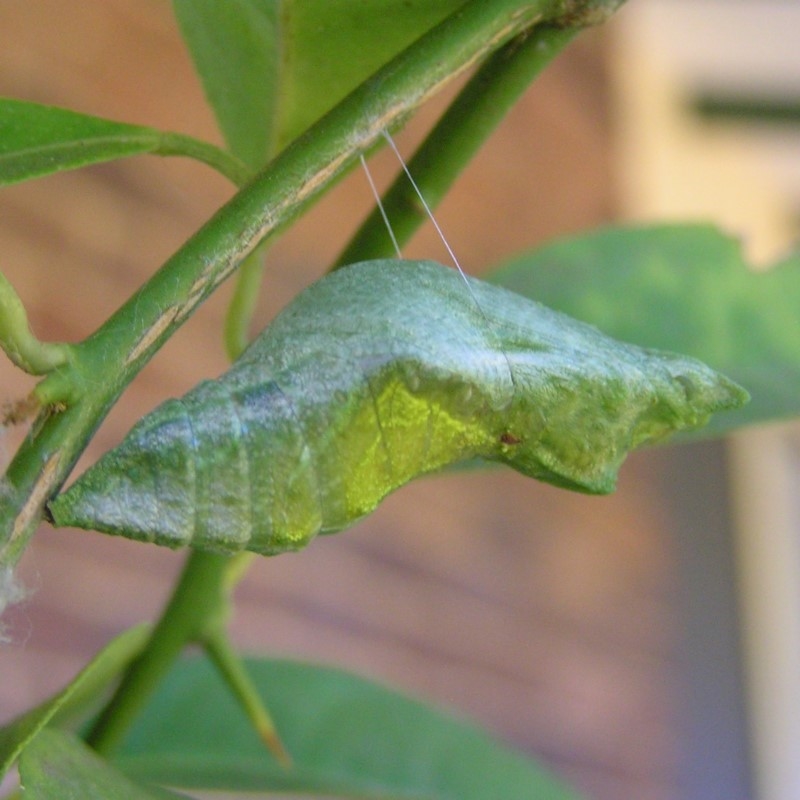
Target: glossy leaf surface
[(37, 140), (376, 374), (271, 69), (57, 766), (685, 288), (348, 737)]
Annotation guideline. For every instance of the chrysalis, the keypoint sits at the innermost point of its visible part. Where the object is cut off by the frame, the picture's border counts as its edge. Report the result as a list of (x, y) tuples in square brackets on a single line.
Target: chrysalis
[(376, 374)]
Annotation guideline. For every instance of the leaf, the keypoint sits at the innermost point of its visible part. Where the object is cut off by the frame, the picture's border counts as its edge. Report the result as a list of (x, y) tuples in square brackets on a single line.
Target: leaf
[(272, 69), (684, 288), (57, 766), (83, 689), (235, 45), (347, 737), (379, 373), (331, 47), (37, 140)]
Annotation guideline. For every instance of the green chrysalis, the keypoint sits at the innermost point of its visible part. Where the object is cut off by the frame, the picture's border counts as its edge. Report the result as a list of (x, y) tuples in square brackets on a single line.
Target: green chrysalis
[(376, 374)]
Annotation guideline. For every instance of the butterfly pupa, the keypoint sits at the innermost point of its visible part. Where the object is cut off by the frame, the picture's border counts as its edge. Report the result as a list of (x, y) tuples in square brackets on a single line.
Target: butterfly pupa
[(376, 374)]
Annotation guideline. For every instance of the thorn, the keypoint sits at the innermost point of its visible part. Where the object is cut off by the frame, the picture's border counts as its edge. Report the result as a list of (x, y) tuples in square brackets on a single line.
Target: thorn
[(275, 745)]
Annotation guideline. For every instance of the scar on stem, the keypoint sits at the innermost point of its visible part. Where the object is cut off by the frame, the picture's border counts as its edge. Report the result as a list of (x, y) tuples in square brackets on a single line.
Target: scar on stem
[(152, 334), (30, 511)]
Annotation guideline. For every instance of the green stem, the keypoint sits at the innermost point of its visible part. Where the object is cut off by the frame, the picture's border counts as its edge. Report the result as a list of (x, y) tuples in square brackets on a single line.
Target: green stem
[(248, 281), (199, 596), (455, 139), (197, 611), (17, 339), (105, 363), (243, 304), (229, 664), (178, 144)]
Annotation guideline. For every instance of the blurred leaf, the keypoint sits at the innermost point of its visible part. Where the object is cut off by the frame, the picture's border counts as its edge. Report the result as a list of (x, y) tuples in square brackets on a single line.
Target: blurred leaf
[(83, 689), (37, 140), (57, 766), (236, 47), (272, 69), (332, 46), (684, 288), (347, 736)]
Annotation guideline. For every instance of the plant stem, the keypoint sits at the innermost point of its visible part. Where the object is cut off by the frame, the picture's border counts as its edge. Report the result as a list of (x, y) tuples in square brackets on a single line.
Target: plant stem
[(227, 164), (230, 666), (452, 143), (240, 310), (199, 595), (18, 341), (107, 361)]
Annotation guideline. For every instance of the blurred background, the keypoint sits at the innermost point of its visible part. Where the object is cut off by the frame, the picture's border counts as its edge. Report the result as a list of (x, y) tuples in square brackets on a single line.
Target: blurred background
[(644, 645)]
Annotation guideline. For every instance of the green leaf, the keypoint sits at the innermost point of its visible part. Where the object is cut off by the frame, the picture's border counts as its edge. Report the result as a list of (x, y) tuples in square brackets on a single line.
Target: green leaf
[(236, 45), (379, 373), (57, 766), (37, 140), (685, 288), (84, 689), (347, 737), (272, 69), (331, 47)]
